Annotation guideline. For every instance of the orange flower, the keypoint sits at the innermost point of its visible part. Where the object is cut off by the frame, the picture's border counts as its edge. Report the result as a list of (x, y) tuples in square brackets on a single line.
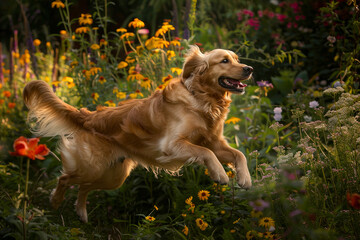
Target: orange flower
[(11, 105), (36, 42), (137, 23), (57, 4), (29, 148), (353, 200), (7, 94), (203, 195)]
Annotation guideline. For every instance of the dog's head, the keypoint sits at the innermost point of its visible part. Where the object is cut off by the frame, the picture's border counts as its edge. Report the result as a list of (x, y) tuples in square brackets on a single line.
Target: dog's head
[(217, 71)]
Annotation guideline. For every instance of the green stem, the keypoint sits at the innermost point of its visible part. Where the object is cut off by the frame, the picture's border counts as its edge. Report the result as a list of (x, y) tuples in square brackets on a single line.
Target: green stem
[(25, 196)]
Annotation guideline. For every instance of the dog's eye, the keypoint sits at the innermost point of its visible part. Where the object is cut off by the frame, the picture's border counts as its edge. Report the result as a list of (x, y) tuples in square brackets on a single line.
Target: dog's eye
[(225, 60)]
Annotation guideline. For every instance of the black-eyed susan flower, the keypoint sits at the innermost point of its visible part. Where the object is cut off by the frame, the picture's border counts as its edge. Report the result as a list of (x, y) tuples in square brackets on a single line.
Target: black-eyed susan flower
[(122, 64), (203, 195), (267, 222), (36, 42), (110, 103), (57, 4), (136, 23), (102, 80), (185, 230), (232, 120), (80, 30), (167, 78), (85, 19), (201, 224), (150, 218), (160, 87), (103, 42), (267, 235), (136, 94), (145, 83), (251, 234), (95, 96), (129, 59), (175, 43)]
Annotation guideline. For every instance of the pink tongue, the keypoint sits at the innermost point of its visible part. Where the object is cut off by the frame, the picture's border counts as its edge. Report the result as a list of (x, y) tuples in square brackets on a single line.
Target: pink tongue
[(237, 83)]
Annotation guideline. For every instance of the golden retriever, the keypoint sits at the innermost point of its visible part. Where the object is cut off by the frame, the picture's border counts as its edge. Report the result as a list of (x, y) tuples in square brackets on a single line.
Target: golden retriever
[(179, 125)]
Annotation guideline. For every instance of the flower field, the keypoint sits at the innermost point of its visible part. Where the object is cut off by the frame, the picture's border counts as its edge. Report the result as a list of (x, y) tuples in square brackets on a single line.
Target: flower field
[(298, 122)]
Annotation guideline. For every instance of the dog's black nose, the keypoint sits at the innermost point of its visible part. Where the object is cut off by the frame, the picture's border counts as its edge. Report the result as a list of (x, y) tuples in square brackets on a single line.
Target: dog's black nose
[(248, 69)]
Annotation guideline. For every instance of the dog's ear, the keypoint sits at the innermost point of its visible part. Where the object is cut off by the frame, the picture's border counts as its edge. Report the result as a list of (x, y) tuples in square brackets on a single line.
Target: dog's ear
[(195, 63)]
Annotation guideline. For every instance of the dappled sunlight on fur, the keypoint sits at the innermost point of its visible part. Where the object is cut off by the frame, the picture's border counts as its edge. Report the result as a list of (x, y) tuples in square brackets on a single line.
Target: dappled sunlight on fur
[(182, 124)]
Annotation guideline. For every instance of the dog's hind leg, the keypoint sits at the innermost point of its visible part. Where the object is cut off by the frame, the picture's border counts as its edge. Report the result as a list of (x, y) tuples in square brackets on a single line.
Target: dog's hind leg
[(113, 177), (58, 194)]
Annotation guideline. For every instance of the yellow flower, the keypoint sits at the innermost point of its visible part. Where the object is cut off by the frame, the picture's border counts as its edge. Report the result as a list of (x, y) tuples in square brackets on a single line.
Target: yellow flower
[(135, 76), (121, 95), (236, 221), (95, 47), (251, 234), (69, 81), (206, 172), (170, 54), (184, 214), (63, 33), (57, 4), (185, 230), (127, 35), (167, 78), (146, 83), (122, 64), (201, 224), (102, 80), (256, 214), (160, 31), (175, 43), (95, 96), (150, 218), (176, 70), (80, 30), (189, 200), (232, 230), (122, 30), (156, 208), (222, 212), (203, 195), (160, 87), (48, 44), (85, 19), (230, 174), (267, 235), (110, 103), (55, 83), (36, 42), (232, 120), (136, 94), (267, 222), (129, 59), (95, 70), (191, 208), (103, 42), (136, 23)]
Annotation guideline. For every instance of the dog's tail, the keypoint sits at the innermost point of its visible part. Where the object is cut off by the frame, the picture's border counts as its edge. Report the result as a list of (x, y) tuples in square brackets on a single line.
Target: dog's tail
[(53, 116)]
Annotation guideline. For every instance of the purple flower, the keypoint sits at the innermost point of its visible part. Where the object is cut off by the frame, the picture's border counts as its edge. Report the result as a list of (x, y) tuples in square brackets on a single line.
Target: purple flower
[(313, 104), (259, 205), (263, 83)]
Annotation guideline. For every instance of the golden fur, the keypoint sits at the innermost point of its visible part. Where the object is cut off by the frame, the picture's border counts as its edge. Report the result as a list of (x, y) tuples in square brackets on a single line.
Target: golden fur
[(180, 125)]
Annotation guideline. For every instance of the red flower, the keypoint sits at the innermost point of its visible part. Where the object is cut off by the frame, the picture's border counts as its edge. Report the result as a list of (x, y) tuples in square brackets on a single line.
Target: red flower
[(354, 200), (30, 148)]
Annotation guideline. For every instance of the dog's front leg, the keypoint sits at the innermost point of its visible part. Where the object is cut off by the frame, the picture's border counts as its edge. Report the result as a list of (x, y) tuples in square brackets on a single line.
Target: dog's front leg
[(227, 154), (186, 151)]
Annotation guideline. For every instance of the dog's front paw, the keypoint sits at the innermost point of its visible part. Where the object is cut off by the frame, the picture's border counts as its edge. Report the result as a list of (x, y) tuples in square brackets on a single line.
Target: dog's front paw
[(244, 179), (220, 177)]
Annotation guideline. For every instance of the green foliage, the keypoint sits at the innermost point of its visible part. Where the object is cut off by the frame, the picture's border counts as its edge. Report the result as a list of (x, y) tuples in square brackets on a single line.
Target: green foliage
[(303, 162)]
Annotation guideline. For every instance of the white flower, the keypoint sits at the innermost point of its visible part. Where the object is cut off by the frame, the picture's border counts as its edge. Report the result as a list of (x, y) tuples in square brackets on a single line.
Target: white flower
[(314, 104), (307, 118), (277, 110)]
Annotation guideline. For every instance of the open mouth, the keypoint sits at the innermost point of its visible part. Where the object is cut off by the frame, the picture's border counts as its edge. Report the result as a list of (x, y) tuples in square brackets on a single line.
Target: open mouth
[(234, 85)]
